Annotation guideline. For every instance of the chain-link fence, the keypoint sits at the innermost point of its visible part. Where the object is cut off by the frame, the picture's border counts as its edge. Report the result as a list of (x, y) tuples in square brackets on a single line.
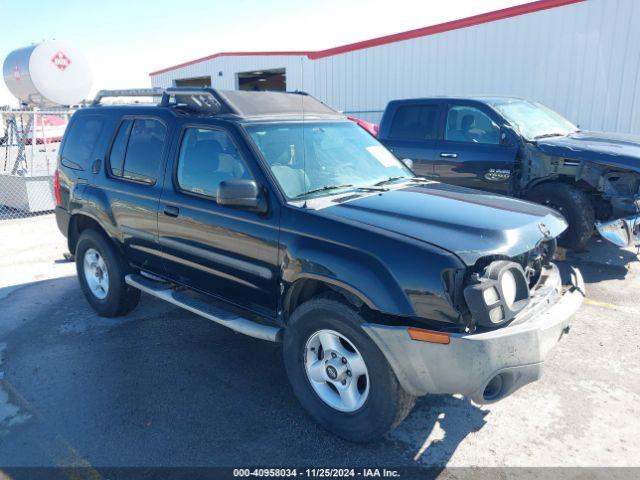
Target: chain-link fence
[(29, 143)]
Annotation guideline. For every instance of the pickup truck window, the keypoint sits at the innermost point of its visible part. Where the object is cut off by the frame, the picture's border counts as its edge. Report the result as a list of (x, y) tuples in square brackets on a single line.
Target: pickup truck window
[(415, 122), (207, 157), (81, 141), (136, 152), (324, 158), (471, 125)]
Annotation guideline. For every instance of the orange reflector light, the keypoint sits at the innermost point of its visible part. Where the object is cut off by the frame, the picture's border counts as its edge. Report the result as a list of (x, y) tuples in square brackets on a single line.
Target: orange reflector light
[(428, 335)]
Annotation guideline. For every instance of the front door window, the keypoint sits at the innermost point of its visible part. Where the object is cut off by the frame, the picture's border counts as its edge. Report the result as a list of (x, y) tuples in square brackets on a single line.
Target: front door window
[(471, 125)]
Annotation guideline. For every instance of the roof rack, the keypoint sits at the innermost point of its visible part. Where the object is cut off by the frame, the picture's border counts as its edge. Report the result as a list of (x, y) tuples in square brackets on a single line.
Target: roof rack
[(210, 101), (197, 98), (132, 92)]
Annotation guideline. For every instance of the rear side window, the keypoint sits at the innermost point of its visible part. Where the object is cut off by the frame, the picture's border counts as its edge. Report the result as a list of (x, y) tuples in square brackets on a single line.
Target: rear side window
[(81, 141), (415, 122), (136, 152), (119, 148)]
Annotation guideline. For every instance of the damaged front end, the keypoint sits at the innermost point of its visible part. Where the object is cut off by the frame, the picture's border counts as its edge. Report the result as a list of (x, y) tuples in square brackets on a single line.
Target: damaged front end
[(610, 175), (622, 191), (624, 232)]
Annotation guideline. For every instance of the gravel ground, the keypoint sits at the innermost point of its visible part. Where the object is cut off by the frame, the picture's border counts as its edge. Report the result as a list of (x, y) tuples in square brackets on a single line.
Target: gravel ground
[(162, 387)]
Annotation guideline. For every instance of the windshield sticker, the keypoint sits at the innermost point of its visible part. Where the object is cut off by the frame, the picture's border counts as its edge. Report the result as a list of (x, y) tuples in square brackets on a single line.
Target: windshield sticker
[(384, 156)]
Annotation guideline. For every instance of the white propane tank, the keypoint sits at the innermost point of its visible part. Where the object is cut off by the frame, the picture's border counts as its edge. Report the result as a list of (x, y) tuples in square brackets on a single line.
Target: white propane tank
[(48, 74)]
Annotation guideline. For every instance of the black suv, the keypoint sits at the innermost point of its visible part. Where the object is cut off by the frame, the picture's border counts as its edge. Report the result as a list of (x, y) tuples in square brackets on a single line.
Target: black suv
[(275, 216)]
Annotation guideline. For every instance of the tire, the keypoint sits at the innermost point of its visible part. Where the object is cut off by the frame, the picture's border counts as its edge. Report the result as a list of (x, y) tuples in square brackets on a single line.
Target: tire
[(109, 296), (386, 404), (574, 205)]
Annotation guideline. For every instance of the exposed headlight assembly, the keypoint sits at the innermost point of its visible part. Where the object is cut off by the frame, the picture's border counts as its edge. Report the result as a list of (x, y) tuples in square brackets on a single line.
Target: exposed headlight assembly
[(498, 294)]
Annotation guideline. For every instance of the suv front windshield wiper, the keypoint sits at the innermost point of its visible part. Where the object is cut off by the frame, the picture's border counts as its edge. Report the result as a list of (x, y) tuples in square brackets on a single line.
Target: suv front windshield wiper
[(547, 135), (389, 180), (323, 189)]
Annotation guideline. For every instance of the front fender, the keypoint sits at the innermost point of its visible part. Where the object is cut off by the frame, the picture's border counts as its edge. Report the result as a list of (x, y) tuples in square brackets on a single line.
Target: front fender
[(354, 271), (390, 273)]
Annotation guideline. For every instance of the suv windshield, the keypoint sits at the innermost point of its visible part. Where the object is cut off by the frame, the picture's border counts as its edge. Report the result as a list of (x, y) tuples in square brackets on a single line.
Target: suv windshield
[(317, 159), (534, 120)]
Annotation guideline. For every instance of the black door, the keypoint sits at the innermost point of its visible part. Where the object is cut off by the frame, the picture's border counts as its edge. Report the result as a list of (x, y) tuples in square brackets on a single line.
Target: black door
[(474, 152), (135, 164), (413, 134), (226, 252)]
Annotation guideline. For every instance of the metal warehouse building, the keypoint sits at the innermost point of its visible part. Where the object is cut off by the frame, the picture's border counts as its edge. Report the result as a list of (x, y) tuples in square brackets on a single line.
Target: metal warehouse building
[(580, 57)]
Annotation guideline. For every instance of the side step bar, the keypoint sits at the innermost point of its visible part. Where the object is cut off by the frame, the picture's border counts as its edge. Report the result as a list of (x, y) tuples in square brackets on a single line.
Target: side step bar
[(166, 292)]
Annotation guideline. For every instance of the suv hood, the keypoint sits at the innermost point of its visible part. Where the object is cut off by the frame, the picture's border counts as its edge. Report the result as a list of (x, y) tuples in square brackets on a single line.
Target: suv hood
[(469, 223), (606, 148)]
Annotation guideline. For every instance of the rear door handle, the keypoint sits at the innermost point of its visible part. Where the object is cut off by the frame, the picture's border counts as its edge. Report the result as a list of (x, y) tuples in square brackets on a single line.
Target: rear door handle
[(449, 155), (171, 211)]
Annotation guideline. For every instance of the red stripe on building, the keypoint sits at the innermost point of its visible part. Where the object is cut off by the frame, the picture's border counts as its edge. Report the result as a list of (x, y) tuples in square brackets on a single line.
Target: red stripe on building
[(226, 54), (398, 37)]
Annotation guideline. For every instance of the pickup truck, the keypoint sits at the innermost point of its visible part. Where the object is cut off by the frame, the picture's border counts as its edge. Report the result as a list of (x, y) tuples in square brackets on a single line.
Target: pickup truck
[(275, 216), (523, 149)]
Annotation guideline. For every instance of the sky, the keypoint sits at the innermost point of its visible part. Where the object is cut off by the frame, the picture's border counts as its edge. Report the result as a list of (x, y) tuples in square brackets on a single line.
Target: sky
[(125, 40)]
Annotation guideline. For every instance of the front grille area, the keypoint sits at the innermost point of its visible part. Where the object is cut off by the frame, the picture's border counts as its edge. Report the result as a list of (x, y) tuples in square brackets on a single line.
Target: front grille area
[(533, 260)]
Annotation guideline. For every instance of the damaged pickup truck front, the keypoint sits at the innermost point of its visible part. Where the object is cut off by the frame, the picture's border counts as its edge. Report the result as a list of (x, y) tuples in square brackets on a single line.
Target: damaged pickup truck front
[(607, 169), (522, 148), (593, 179)]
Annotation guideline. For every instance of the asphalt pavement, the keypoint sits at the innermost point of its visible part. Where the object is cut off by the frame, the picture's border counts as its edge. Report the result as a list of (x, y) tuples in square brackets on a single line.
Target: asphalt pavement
[(163, 387)]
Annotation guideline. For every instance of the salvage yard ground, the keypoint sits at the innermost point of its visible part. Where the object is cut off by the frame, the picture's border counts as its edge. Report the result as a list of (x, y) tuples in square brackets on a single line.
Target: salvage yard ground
[(163, 387)]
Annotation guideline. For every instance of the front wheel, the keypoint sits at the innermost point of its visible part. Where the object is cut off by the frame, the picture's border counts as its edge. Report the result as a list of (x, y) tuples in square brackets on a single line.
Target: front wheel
[(338, 373), (575, 207)]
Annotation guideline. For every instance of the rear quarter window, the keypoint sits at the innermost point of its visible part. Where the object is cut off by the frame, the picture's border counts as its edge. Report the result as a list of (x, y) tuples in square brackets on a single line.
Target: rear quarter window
[(81, 140)]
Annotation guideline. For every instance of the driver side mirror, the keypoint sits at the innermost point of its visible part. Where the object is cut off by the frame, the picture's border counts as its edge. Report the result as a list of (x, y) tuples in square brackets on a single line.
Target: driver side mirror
[(243, 194), (507, 137)]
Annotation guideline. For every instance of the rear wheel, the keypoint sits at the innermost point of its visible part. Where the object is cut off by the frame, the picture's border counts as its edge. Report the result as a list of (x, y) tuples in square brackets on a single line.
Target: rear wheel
[(575, 207), (338, 373), (101, 271)]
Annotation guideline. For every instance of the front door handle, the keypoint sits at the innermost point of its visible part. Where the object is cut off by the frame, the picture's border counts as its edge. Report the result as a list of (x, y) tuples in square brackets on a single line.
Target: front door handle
[(449, 155), (171, 211)]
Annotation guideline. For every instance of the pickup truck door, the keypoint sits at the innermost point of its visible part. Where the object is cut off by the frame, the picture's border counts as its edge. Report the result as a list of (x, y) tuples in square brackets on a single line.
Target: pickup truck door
[(413, 133), (225, 252), (475, 151)]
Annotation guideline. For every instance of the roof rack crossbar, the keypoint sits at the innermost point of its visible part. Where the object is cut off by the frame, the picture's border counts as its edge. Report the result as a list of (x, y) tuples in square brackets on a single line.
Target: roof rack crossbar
[(202, 99), (198, 98), (132, 92)]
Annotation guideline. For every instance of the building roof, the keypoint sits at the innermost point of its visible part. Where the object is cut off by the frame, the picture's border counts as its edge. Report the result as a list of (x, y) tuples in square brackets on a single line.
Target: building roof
[(396, 37)]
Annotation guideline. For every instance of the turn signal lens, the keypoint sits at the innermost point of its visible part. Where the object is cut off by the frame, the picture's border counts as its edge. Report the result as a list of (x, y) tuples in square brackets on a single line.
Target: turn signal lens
[(428, 335)]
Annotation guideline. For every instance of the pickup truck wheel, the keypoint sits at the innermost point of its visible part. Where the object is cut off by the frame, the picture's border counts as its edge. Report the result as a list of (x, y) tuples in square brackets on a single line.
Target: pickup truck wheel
[(101, 271), (574, 205), (338, 373)]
